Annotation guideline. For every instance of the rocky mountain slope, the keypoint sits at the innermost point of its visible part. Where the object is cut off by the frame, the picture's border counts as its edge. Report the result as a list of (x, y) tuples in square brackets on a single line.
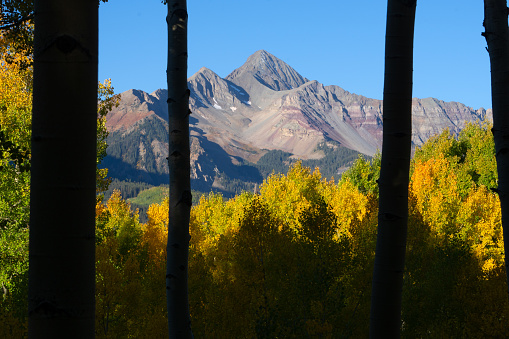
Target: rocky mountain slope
[(265, 106)]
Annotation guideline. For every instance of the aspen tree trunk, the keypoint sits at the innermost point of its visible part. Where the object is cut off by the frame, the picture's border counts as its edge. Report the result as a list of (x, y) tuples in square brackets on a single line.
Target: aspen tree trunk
[(497, 37), (177, 249), (62, 207), (385, 317)]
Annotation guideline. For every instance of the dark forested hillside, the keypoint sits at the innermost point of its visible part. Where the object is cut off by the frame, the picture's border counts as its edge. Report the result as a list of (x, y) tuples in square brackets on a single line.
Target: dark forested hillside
[(335, 160), (136, 156)]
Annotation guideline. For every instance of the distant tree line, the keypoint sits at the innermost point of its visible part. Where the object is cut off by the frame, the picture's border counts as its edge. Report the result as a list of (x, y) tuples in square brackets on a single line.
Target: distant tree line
[(128, 189)]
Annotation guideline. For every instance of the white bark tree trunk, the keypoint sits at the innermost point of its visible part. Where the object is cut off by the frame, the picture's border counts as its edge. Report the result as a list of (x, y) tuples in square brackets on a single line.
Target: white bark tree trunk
[(62, 207), (179, 164), (385, 317), (497, 37)]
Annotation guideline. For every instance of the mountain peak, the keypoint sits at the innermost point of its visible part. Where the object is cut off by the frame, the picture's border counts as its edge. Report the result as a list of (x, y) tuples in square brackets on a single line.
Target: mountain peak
[(263, 59), (203, 72), (269, 71)]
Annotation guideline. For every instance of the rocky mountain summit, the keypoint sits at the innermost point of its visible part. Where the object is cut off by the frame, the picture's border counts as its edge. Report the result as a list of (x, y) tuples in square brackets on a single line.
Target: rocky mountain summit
[(265, 106)]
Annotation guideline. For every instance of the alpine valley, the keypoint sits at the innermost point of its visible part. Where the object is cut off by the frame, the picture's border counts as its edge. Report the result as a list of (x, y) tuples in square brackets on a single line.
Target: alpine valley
[(261, 118)]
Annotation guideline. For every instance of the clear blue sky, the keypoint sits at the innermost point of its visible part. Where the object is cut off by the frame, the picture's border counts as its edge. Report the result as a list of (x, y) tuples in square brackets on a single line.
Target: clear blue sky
[(334, 42)]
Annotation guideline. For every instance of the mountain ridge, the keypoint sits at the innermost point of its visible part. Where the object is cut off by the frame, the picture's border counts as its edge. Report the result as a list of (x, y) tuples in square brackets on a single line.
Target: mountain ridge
[(263, 106)]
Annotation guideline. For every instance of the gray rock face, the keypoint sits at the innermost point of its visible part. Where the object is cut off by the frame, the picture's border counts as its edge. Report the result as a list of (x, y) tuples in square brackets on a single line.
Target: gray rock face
[(267, 105), (269, 71)]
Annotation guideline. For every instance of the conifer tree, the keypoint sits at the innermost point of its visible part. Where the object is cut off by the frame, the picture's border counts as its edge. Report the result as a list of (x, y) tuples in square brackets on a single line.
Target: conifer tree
[(180, 198), (63, 169), (385, 317), (497, 38)]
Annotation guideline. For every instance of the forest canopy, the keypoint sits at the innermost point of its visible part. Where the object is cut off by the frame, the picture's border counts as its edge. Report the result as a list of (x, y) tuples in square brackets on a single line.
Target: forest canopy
[(297, 257)]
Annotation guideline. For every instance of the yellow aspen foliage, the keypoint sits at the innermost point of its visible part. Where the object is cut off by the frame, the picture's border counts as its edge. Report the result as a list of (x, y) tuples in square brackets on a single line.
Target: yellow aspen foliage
[(443, 144), (455, 249), (155, 232), (288, 196), (15, 132), (153, 247), (17, 43), (118, 270), (253, 252), (204, 215), (108, 281), (297, 260), (248, 256), (347, 203), (213, 224), (209, 219), (434, 187), (479, 217), (121, 222), (118, 286), (15, 97), (100, 209), (214, 216), (107, 99), (117, 207)]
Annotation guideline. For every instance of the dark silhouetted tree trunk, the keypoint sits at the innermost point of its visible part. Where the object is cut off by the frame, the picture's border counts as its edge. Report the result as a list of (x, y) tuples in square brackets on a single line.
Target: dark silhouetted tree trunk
[(497, 37), (63, 167), (179, 164), (385, 317)]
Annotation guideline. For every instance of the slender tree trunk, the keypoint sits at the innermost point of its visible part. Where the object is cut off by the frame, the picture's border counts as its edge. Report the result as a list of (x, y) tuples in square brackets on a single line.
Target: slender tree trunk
[(497, 37), (62, 208), (179, 164), (385, 317)]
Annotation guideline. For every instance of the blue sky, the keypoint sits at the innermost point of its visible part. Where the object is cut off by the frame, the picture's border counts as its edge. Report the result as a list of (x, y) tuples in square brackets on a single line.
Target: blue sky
[(334, 42)]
